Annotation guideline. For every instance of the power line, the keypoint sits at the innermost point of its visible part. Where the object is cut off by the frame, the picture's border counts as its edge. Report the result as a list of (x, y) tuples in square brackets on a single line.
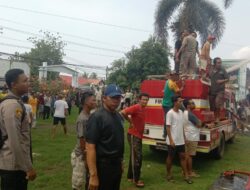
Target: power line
[(67, 49), (67, 41), (65, 63), (66, 34), (76, 19)]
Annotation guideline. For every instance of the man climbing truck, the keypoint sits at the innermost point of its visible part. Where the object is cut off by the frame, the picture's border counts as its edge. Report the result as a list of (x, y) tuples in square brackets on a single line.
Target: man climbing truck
[(212, 135)]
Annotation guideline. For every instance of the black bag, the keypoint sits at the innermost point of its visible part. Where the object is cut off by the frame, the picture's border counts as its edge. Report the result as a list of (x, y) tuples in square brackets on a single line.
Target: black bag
[(3, 138)]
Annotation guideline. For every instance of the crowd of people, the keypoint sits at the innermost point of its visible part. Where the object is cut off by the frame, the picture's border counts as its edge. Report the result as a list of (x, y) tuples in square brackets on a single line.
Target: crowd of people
[(98, 157)]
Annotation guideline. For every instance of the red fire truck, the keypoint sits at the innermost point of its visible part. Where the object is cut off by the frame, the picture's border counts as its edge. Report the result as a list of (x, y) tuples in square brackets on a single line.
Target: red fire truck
[(212, 137)]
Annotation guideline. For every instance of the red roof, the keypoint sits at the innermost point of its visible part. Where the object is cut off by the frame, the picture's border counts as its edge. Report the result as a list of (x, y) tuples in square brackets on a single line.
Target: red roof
[(81, 80)]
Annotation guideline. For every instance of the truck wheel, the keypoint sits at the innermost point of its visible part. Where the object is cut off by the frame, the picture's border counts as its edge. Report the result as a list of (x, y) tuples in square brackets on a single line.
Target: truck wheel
[(232, 139), (219, 151), (152, 148)]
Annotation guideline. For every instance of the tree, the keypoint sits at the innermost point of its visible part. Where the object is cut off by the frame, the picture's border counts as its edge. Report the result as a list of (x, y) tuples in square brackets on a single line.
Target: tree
[(48, 49), (117, 73), (151, 58), (202, 16), (93, 75)]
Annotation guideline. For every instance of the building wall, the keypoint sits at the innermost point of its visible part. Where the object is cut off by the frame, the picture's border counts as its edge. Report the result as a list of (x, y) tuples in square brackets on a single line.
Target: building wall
[(241, 70), (5, 65)]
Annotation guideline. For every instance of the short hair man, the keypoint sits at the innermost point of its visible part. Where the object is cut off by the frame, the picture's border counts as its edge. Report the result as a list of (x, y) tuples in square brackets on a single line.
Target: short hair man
[(170, 89), (188, 55), (177, 47), (15, 163), (192, 133), (176, 138), (136, 116), (219, 77), (205, 59), (105, 143), (78, 156), (61, 111)]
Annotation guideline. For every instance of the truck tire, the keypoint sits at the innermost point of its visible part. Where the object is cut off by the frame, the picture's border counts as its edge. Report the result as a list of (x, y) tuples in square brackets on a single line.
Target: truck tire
[(152, 148), (232, 139), (218, 152)]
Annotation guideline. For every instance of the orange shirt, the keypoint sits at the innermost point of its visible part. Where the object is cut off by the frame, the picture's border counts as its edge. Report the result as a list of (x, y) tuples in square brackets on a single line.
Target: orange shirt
[(137, 114)]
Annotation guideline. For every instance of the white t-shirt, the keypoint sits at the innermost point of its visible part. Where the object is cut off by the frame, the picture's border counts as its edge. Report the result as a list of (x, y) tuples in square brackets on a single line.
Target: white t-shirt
[(192, 133), (175, 120), (28, 110), (60, 106)]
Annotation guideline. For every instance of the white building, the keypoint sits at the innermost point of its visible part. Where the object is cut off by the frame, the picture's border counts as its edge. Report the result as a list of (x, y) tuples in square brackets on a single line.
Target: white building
[(6, 64), (240, 68)]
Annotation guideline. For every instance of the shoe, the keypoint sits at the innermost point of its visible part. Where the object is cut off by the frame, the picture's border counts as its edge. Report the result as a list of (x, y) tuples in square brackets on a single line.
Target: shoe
[(188, 180), (170, 179), (193, 174), (130, 180), (139, 183)]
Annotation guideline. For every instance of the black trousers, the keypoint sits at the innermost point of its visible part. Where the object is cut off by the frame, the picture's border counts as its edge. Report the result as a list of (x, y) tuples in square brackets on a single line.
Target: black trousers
[(109, 174), (135, 160), (13, 180), (46, 112)]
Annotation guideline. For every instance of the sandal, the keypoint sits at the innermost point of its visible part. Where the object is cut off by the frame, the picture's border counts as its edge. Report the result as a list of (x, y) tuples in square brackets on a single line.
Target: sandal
[(130, 180), (188, 180), (139, 183), (170, 179)]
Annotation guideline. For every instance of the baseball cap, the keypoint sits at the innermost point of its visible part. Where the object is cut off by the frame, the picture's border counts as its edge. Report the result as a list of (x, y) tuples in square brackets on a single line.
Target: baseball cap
[(112, 90), (211, 37)]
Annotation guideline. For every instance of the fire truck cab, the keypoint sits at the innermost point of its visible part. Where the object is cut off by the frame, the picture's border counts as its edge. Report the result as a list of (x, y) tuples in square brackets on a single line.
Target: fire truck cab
[(212, 137)]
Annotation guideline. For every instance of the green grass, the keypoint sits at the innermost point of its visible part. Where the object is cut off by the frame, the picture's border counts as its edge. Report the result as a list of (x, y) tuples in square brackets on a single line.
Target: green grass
[(54, 169)]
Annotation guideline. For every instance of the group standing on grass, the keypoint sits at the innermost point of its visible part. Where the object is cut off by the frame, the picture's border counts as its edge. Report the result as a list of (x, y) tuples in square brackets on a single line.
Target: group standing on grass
[(98, 157)]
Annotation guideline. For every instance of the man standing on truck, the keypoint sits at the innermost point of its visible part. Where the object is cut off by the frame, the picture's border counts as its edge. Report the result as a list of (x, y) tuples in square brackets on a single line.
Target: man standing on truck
[(188, 55), (192, 133), (219, 77), (136, 117), (205, 59), (171, 89), (176, 139)]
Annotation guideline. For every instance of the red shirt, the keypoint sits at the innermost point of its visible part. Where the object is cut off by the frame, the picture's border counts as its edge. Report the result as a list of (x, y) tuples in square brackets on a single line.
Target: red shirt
[(137, 114)]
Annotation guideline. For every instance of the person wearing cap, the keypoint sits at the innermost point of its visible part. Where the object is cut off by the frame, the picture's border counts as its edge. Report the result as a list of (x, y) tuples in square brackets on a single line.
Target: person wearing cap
[(205, 59), (105, 143), (135, 115), (170, 89), (176, 139)]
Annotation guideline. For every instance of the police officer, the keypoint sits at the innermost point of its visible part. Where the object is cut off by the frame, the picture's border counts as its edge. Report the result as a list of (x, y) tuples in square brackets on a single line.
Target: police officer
[(15, 155), (105, 143)]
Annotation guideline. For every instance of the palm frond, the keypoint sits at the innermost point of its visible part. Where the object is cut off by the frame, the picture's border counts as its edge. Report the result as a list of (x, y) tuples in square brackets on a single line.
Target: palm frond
[(227, 3), (204, 17), (215, 20), (163, 16)]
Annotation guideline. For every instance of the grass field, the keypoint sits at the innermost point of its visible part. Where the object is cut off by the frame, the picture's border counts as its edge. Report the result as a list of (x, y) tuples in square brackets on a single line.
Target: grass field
[(53, 167)]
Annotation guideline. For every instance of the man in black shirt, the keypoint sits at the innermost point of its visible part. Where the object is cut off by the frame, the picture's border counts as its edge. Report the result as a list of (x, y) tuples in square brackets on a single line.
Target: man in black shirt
[(219, 77), (177, 47), (105, 143)]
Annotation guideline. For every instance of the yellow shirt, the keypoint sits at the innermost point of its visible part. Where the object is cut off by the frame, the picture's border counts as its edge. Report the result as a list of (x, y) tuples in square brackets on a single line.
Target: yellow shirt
[(33, 102), (2, 95)]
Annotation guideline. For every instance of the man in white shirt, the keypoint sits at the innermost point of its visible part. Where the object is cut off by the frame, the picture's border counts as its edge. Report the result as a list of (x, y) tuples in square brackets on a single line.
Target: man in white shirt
[(61, 110), (192, 132), (176, 138)]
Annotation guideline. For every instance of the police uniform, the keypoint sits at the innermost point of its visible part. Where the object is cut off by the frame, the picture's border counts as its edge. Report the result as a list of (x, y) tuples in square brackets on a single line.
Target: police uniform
[(15, 155)]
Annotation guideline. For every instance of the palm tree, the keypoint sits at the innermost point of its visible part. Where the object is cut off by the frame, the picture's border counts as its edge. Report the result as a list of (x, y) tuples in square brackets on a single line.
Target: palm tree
[(202, 16)]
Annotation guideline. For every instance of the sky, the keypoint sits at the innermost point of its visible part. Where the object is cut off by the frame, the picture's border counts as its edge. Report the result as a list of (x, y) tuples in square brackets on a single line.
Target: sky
[(97, 32)]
